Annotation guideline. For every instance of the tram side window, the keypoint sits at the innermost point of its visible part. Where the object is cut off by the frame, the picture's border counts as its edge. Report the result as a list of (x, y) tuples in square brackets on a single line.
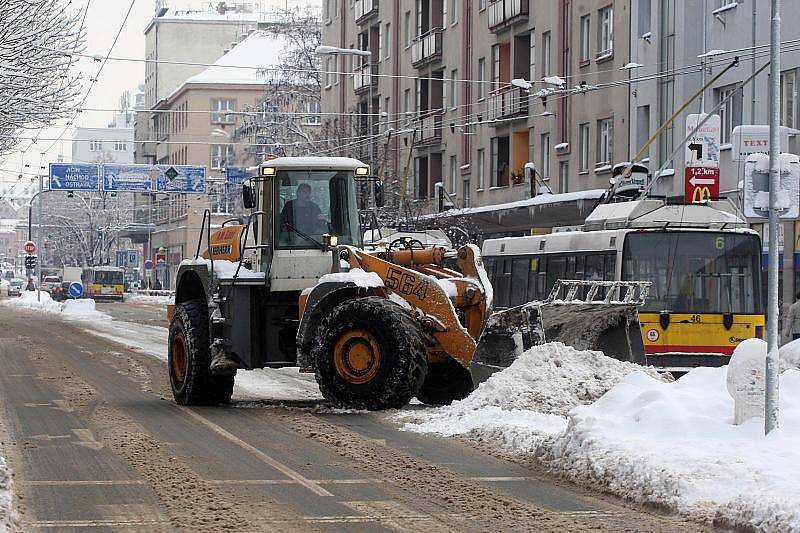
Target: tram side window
[(556, 269), (488, 264), (502, 282), (519, 280)]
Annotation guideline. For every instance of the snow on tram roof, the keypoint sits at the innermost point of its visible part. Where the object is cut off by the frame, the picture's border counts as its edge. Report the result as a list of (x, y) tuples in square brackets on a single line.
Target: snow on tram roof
[(324, 163)]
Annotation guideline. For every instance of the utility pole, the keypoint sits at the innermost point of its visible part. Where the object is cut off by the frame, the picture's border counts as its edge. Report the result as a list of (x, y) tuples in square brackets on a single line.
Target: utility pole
[(772, 367), (39, 240)]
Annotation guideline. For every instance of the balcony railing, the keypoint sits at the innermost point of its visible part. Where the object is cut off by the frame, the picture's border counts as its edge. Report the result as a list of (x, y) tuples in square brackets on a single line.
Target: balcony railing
[(426, 48), (504, 13), (365, 10), (431, 131), (364, 77), (507, 102)]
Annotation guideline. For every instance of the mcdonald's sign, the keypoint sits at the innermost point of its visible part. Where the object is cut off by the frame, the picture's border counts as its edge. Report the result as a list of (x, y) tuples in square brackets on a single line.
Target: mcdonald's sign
[(701, 183)]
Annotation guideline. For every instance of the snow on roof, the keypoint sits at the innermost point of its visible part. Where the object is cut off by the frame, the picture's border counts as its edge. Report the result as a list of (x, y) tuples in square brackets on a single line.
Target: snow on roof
[(333, 163), (260, 49), (542, 199)]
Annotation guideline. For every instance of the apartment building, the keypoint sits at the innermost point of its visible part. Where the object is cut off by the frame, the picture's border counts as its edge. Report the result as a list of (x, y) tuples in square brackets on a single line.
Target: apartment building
[(439, 79)]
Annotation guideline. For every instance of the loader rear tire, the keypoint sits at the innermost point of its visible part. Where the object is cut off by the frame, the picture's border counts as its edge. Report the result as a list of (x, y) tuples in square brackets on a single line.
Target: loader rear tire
[(445, 383), (189, 359), (370, 354)]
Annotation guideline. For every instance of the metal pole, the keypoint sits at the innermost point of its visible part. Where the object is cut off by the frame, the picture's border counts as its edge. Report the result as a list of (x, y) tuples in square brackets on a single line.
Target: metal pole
[(772, 370), (369, 127), (703, 62), (39, 241), (753, 67)]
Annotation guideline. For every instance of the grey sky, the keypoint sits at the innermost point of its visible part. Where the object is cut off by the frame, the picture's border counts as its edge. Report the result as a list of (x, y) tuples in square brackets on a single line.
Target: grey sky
[(103, 20)]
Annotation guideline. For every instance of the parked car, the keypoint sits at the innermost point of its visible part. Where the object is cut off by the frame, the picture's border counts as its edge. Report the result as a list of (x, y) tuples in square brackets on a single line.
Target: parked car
[(50, 282), (60, 292), (15, 286)]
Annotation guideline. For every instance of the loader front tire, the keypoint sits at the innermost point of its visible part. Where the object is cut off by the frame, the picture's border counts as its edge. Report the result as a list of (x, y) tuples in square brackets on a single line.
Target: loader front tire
[(189, 359), (370, 354), (445, 383)]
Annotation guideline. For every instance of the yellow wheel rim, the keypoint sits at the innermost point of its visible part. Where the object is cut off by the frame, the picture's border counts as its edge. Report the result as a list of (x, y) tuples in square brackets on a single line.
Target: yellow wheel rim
[(357, 356), (179, 356)]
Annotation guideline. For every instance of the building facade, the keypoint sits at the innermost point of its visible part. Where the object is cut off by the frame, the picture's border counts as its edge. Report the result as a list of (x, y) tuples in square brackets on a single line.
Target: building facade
[(113, 144), (440, 80)]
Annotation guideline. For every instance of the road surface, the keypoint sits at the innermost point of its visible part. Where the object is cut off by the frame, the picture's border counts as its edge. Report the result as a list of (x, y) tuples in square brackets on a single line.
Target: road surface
[(97, 444)]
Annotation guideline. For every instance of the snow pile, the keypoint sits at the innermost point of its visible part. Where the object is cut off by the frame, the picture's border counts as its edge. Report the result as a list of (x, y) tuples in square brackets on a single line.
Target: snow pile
[(8, 518), (355, 275), (83, 309), (530, 399), (29, 300), (148, 299), (674, 444), (790, 355)]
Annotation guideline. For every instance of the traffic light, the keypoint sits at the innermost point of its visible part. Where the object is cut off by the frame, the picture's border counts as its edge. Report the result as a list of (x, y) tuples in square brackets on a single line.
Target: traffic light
[(113, 194), (30, 262), (70, 194)]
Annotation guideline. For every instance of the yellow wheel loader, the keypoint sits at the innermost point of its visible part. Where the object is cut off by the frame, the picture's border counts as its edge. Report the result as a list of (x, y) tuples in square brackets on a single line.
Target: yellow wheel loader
[(293, 286)]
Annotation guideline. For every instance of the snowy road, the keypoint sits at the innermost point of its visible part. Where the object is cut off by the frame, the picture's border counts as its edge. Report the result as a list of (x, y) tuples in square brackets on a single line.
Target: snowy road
[(95, 441)]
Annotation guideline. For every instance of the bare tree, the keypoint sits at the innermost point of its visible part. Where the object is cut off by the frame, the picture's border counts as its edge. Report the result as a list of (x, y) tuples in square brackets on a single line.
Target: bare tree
[(37, 38)]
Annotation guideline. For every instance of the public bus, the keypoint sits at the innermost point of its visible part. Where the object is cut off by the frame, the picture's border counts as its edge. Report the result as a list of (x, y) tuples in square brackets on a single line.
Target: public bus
[(705, 271), (103, 282)]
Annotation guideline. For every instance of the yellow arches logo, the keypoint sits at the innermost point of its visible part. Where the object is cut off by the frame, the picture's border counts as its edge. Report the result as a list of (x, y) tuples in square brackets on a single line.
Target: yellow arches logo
[(701, 194)]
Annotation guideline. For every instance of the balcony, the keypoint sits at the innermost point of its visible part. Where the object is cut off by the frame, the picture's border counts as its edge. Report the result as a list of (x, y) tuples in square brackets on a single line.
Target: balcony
[(365, 10), (431, 131), (505, 13), (426, 48), (506, 103), (365, 77)]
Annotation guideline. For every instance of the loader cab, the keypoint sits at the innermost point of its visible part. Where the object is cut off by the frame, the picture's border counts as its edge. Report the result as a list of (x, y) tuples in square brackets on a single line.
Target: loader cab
[(308, 205)]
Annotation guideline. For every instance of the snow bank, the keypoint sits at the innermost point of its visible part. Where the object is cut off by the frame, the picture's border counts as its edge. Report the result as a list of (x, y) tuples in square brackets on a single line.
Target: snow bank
[(675, 444), (530, 399), (8, 517), (355, 275), (147, 299), (790, 355), (83, 309)]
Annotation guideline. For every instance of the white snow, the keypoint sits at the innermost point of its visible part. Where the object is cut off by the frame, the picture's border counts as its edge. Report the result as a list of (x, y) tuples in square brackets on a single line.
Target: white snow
[(542, 199), (147, 299), (83, 309), (790, 355), (225, 269), (260, 49), (531, 398), (447, 286), (554, 80), (355, 275), (561, 146), (633, 433), (8, 517)]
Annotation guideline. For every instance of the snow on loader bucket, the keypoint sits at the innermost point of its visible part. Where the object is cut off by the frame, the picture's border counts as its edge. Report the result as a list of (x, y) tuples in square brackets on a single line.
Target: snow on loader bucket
[(587, 315)]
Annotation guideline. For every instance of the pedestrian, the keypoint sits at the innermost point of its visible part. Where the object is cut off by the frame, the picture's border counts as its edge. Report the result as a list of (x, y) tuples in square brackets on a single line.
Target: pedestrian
[(791, 328), (30, 286)]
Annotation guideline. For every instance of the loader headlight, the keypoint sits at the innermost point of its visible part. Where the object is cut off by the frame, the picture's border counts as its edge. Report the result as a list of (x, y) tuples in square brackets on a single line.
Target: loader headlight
[(268, 171), (362, 171)]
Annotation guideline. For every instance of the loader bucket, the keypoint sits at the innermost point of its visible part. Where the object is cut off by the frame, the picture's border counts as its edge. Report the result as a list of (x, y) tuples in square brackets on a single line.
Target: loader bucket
[(611, 327)]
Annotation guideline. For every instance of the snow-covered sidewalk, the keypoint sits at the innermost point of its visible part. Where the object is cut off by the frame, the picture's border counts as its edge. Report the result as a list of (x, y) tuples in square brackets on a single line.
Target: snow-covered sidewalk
[(632, 433), (8, 518)]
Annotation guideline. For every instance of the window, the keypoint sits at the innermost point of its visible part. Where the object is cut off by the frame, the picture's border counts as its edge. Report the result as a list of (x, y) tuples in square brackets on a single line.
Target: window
[(120, 146), (312, 107), (545, 147), (453, 11), (407, 105), (563, 176), (327, 76), (465, 191), (95, 146), (730, 113), (585, 37), (546, 42), (532, 57), (221, 156), (495, 67), (454, 89), (788, 98), (644, 17), (605, 141), (481, 169), (583, 131), (642, 129), (481, 5), (500, 170), (387, 41), (408, 32), (453, 174), (606, 31), (221, 108), (481, 78)]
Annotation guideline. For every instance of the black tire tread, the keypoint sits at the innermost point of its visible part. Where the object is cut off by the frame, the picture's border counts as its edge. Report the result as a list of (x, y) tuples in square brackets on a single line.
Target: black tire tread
[(407, 342), (445, 383), (202, 388)]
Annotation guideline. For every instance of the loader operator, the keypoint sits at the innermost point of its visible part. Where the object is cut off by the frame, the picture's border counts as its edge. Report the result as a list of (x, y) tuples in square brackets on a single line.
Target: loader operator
[(302, 215)]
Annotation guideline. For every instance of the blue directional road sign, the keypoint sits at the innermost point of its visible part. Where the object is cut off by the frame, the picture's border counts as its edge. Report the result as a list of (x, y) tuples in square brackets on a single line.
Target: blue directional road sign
[(75, 289), (74, 177), (131, 178), (190, 179), (235, 177)]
